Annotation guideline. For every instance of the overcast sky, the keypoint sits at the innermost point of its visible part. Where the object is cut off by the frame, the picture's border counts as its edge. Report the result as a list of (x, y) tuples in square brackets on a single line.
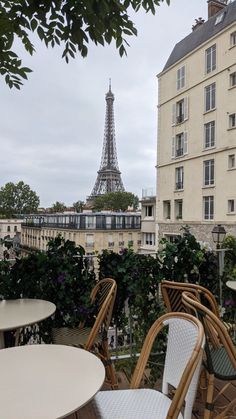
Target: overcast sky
[(52, 130)]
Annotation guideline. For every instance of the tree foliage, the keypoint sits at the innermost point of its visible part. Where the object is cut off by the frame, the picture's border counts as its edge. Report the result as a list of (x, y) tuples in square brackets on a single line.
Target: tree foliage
[(72, 23), (116, 201), (58, 207), (78, 206), (17, 199)]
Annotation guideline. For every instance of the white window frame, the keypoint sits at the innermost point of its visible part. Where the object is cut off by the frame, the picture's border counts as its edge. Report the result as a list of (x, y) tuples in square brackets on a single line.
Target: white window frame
[(209, 172), (219, 18), (210, 59), (181, 76), (149, 209), (149, 239), (233, 38), (209, 134), (179, 209), (231, 161), (167, 209), (231, 206), (208, 207), (232, 120), (232, 79), (177, 116), (182, 137), (179, 178), (211, 91)]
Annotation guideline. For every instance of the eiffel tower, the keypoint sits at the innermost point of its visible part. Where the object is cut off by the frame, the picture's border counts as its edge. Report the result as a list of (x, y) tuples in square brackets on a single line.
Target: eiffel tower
[(109, 176)]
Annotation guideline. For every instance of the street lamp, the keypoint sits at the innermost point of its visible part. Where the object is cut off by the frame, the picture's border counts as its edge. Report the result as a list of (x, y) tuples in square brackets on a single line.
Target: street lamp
[(218, 235)]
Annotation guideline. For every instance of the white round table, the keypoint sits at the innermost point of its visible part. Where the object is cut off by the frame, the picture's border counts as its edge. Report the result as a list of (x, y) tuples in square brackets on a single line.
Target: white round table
[(47, 381), (22, 312), (231, 285)]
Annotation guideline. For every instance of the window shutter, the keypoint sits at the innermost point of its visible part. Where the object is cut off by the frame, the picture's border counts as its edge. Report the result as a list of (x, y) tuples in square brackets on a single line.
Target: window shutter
[(173, 114), (185, 108), (173, 148), (185, 143)]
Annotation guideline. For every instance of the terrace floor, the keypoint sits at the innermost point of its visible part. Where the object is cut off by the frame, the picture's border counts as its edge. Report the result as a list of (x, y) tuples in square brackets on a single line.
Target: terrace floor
[(87, 411)]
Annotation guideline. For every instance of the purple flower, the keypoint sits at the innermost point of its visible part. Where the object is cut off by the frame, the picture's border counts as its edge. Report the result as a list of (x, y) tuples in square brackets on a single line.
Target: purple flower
[(61, 278), (228, 303)]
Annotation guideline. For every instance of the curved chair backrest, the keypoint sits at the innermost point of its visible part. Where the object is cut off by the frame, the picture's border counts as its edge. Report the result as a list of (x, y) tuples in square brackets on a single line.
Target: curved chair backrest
[(216, 333), (183, 359), (172, 296), (104, 293)]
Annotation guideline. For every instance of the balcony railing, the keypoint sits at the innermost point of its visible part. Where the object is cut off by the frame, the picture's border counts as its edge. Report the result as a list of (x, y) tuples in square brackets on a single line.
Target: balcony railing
[(179, 119), (179, 152), (179, 185)]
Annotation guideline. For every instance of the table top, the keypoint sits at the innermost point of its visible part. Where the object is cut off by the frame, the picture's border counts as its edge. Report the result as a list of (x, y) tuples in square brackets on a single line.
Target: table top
[(23, 312), (231, 284), (47, 381)]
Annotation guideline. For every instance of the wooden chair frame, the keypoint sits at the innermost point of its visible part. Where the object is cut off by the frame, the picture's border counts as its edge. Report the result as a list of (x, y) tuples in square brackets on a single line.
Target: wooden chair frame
[(216, 334)]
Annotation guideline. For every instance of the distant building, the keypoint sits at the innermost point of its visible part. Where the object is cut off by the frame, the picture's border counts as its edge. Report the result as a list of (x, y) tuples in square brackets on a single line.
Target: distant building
[(148, 225), (93, 231), (10, 229), (196, 153)]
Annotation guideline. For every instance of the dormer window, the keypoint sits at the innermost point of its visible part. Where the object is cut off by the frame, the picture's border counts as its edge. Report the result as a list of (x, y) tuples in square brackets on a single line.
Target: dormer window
[(219, 18)]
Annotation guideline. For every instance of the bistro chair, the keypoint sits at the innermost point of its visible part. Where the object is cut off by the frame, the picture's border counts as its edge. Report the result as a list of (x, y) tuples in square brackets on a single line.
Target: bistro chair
[(181, 371), (172, 296), (95, 338), (220, 360)]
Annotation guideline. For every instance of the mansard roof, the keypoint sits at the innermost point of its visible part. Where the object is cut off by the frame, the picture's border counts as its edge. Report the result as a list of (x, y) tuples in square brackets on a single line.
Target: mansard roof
[(201, 34)]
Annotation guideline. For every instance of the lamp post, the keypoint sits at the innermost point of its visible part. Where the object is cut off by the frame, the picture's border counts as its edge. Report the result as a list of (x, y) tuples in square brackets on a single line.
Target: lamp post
[(218, 235)]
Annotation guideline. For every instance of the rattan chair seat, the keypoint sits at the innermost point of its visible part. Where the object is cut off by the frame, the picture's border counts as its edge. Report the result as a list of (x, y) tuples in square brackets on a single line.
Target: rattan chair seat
[(222, 365), (132, 404)]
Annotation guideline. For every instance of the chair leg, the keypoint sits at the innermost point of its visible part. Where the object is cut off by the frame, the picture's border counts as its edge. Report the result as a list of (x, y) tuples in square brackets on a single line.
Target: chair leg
[(109, 367), (209, 406)]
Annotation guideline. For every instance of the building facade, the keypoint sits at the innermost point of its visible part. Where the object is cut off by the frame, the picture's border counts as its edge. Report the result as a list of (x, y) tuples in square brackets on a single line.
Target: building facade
[(93, 231), (148, 224), (196, 152)]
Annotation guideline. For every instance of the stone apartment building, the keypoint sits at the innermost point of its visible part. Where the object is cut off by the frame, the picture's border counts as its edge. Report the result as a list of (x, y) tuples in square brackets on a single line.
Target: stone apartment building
[(148, 225), (196, 151), (93, 231)]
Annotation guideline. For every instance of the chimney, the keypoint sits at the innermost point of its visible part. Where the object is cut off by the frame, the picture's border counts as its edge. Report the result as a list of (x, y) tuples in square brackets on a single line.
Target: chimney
[(198, 22), (214, 6)]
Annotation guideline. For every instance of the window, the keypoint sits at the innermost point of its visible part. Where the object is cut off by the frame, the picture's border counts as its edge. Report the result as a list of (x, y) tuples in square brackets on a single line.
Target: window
[(149, 211), (209, 134), (208, 207), (180, 78), (180, 111), (210, 97), (110, 240), (15, 229), (179, 209), (231, 161), (179, 145), (210, 59), (219, 18), (231, 205), (166, 209), (8, 228), (233, 38), (179, 178), (121, 240), (90, 222), (232, 79), (130, 239), (209, 172), (172, 238), (232, 120), (89, 240), (149, 239)]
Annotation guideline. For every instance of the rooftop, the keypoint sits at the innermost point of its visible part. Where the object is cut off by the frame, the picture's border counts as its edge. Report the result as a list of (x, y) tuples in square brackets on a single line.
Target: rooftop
[(203, 33)]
